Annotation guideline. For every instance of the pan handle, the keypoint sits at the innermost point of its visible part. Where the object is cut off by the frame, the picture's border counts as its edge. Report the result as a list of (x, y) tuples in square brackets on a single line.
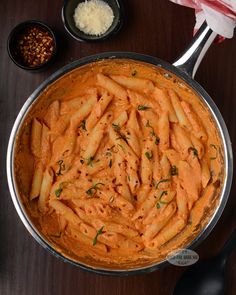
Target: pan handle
[(191, 58)]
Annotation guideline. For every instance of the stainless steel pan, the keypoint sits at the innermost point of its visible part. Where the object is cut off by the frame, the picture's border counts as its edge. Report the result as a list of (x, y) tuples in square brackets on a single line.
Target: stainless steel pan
[(185, 68)]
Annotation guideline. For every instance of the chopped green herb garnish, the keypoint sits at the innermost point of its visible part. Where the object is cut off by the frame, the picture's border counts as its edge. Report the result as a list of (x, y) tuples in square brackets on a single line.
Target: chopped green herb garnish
[(61, 167), (157, 140), (173, 170), (83, 125), (154, 182), (122, 136), (110, 163), (143, 108), (149, 155), (148, 124), (116, 127), (58, 192), (160, 202), (216, 149), (161, 181), (122, 147), (152, 133), (163, 202), (99, 232), (111, 148), (92, 190), (90, 161), (134, 73), (164, 193), (110, 151), (195, 152)]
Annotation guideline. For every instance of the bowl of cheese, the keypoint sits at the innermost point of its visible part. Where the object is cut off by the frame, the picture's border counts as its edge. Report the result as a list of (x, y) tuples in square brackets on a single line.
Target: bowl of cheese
[(92, 20)]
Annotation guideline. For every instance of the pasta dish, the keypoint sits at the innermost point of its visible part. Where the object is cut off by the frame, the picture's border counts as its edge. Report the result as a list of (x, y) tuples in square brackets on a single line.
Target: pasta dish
[(119, 162)]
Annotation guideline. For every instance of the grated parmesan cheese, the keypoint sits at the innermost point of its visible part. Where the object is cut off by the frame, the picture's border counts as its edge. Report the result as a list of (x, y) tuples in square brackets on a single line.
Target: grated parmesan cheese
[(93, 17)]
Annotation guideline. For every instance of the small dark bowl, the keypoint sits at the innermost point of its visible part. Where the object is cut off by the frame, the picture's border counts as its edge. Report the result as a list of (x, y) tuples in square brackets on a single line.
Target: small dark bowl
[(12, 48), (69, 23)]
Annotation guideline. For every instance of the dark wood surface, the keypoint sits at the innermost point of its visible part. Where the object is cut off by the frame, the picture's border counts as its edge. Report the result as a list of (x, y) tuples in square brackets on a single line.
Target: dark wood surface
[(157, 28)]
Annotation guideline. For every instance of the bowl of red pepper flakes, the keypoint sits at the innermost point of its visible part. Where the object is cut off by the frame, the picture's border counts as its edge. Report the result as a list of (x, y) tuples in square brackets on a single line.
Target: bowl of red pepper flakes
[(32, 45)]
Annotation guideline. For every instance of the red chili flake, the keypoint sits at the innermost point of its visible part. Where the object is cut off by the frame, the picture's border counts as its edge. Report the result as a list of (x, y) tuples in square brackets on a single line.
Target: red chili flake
[(34, 46)]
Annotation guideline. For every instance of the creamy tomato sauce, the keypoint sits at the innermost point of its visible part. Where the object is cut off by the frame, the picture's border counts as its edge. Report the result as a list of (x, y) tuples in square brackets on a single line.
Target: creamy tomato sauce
[(118, 163)]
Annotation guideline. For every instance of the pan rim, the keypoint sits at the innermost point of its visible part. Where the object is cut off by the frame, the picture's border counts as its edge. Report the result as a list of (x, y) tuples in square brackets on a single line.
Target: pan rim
[(228, 157)]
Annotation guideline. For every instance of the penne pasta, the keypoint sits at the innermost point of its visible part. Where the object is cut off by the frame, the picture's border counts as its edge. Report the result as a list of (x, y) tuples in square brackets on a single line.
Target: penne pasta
[(124, 164), (182, 202), (65, 211), (145, 207), (167, 233), (45, 145), (52, 114), (36, 135), (72, 104), (194, 120), (140, 101), (143, 193), (189, 182), (133, 141), (121, 119), (111, 86), (37, 181), (159, 222), (98, 110), (156, 164), (203, 204), (45, 190), (147, 163), (64, 146), (97, 167), (139, 84), (123, 147), (93, 144), (96, 136), (198, 146), (173, 157), (164, 132), (83, 239), (59, 129), (182, 118), (122, 229), (121, 179), (165, 170), (183, 140), (205, 172), (83, 112), (163, 99), (134, 124)]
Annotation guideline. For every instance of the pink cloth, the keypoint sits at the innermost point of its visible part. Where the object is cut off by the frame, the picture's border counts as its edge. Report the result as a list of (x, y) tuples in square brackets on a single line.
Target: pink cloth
[(220, 15)]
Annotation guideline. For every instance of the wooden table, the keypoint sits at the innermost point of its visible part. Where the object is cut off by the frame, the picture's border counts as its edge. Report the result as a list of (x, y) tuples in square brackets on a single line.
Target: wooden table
[(157, 28)]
